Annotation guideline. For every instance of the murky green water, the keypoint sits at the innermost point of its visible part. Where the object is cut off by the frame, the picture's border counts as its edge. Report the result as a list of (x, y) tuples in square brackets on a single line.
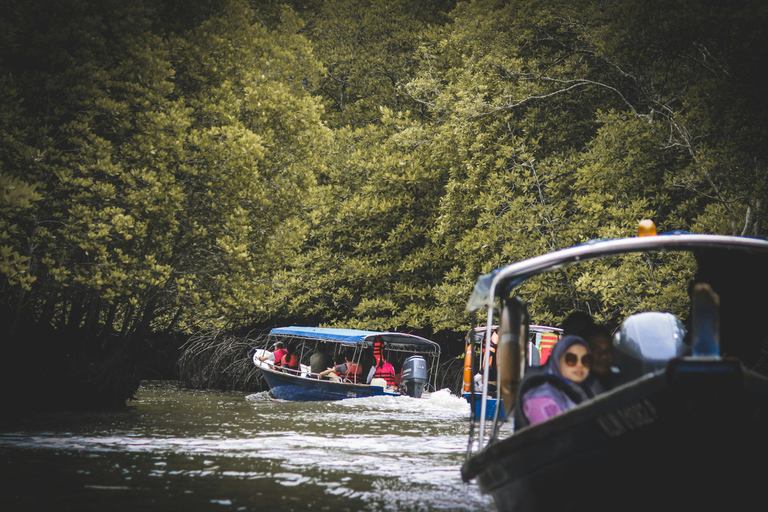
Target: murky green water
[(193, 451)]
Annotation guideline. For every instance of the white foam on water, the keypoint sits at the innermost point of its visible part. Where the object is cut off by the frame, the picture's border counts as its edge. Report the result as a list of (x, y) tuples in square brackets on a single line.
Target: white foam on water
[(441, 404)]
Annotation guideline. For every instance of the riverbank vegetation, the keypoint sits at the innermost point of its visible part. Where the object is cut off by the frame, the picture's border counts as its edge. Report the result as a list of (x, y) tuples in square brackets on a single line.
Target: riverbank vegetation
[(178, 167)]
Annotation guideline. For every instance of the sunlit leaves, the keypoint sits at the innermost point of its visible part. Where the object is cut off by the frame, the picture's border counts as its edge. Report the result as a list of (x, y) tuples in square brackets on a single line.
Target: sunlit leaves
[(171, 162), (361, 163)]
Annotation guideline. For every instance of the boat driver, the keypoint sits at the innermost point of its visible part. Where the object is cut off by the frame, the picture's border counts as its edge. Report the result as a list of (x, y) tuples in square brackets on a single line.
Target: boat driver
[(277, 355)]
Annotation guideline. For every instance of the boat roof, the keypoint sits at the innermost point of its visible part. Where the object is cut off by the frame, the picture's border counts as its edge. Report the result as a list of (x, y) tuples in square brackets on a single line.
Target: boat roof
[(479, 332), (356, 337), (485, 292)]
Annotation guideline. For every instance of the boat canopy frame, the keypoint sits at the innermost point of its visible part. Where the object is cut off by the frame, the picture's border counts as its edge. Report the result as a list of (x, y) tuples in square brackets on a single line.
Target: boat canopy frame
[(358, 341), (396, 341), (511, 276)]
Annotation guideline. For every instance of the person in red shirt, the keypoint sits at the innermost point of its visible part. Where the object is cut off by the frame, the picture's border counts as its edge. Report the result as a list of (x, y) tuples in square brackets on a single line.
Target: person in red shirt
[(278, 351)]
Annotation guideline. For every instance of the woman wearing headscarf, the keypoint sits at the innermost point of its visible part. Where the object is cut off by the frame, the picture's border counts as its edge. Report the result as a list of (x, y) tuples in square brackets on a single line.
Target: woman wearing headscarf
[(557, 387)]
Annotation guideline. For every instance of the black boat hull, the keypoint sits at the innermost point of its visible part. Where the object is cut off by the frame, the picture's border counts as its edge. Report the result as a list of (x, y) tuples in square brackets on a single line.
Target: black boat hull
[(695, 434)]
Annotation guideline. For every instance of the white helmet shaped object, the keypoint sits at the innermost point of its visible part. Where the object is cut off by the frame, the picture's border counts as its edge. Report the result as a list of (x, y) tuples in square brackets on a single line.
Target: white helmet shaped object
[(646, 342)]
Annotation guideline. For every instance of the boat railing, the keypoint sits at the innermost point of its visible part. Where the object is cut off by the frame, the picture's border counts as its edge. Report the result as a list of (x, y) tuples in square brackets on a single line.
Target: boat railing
[(310, 375), (298, 373)]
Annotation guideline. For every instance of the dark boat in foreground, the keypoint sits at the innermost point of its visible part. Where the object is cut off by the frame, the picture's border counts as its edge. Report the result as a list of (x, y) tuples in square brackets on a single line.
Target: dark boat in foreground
[(688, 428), (413, 357)]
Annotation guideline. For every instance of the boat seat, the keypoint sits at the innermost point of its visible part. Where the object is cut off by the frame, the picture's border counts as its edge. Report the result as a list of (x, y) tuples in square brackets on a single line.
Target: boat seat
[(379, 382)]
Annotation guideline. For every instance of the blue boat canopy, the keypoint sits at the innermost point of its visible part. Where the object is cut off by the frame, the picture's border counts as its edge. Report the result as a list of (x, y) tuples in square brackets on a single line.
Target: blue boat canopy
[(355, 337)]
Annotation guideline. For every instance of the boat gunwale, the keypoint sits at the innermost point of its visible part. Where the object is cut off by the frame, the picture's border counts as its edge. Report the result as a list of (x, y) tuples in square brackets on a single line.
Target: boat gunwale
[(294, 374)]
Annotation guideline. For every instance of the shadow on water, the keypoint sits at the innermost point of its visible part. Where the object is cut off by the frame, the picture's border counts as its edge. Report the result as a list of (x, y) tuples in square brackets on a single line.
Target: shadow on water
[(179, 449)]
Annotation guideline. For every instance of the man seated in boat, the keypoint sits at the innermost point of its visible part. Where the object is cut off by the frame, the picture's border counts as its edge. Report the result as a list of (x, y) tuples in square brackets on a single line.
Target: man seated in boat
[(602, 375), (274, 357), (319, 361), (347, 371)]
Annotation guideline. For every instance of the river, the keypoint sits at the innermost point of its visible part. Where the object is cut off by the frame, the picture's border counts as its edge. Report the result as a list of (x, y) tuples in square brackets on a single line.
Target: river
[(177, 449)]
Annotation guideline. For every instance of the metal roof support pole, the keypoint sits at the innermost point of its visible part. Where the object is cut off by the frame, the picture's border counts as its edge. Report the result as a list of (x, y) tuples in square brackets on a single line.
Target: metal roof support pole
[(486, 361)]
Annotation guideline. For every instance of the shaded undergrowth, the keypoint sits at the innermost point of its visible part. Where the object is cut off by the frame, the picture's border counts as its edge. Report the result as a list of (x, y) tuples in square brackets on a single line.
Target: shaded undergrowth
[(217, 360)]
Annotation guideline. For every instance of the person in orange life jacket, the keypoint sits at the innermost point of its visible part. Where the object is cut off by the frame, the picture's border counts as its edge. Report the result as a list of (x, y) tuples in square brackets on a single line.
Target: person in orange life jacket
[(278, 351), (289, 360), (346, 372), (381, 369), (491, 364)]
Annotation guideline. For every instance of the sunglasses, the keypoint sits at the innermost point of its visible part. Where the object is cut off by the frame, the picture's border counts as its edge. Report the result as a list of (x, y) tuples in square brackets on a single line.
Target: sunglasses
[(571, 359)]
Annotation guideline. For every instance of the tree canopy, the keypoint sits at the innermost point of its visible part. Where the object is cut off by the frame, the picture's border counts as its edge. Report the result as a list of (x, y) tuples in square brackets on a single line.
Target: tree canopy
[(170, 167)]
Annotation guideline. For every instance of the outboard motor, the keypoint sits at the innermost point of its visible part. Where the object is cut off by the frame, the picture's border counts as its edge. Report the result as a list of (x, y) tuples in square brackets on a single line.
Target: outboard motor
[(415, 376), (646, 342)]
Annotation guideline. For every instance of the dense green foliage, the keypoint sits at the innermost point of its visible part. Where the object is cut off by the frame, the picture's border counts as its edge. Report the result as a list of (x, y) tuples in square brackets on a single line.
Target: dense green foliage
[(168, 167)]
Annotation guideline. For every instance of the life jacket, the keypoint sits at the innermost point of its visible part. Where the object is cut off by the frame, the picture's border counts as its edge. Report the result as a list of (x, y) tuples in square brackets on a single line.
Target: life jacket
[(290, 361), (468, 367), (387, 372), (547, 343), (378, 349), (354, 371)]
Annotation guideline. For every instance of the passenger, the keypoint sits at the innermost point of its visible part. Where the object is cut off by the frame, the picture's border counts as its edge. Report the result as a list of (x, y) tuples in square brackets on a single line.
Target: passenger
[(602, 376), (558, 387), (381, 369), (348, 371), (278, 351), (319, 361), (576, 322), (289, 360), (547, 343), (491, 364)]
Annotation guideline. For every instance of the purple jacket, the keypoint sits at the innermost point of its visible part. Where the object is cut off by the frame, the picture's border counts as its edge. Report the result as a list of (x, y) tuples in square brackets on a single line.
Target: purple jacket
[(547, 393)]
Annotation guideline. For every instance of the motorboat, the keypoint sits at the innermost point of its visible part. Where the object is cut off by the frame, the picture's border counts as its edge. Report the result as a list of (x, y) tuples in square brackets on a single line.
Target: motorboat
[(687, 425), (541, 338), (414, 359)]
